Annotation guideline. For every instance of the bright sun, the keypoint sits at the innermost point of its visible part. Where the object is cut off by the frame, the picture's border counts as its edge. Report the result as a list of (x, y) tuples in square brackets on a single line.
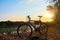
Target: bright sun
[(47, 17)]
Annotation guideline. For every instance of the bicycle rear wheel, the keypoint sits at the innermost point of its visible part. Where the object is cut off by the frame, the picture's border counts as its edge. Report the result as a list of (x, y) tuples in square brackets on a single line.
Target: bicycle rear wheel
[(24, 31), (43, 29)]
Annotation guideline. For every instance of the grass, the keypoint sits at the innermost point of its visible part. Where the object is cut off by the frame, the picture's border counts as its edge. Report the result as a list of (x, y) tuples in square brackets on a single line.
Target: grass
[(53, 34)]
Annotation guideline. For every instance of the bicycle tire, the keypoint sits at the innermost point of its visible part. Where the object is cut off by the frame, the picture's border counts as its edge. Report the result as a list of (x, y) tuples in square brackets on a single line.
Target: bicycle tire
[(43, 29), (24, 31)]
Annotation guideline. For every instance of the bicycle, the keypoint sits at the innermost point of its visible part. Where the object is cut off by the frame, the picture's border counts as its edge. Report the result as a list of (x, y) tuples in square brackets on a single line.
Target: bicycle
[(26, 29)]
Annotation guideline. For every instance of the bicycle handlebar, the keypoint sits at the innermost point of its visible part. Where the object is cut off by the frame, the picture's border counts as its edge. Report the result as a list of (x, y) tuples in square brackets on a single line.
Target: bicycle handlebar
[(29, 17)]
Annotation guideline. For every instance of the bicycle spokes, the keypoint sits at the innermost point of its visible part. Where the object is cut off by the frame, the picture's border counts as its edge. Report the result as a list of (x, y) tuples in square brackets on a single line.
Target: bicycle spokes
[(24, 31), (43, 29)]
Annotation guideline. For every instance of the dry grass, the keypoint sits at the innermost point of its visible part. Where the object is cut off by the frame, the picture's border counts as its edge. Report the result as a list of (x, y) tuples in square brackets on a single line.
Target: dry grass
[(53, 34)]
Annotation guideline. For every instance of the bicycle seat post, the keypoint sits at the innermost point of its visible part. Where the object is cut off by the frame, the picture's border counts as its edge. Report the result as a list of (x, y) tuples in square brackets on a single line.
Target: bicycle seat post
[(39, 17)]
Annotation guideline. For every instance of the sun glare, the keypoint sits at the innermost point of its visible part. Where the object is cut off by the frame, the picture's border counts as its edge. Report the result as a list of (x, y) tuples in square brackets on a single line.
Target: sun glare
[(47, 17)]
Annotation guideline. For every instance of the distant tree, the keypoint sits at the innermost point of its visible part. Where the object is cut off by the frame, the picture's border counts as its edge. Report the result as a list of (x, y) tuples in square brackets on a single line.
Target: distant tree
[(57, 6)]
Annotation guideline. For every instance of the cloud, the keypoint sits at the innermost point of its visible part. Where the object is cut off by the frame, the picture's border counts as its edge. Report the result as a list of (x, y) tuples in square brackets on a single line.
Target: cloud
[(29, 1)]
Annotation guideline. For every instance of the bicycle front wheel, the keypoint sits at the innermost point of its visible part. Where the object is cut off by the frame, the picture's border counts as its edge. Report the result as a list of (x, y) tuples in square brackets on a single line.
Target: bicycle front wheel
[(24, 31), (43, 29)]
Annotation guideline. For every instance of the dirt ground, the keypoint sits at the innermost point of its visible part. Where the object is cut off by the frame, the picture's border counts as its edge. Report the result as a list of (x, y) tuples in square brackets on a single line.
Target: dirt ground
[(53, 34)]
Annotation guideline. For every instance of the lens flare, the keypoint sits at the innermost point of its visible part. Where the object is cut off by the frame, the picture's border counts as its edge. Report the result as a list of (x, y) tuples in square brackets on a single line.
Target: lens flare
[(47, 17)]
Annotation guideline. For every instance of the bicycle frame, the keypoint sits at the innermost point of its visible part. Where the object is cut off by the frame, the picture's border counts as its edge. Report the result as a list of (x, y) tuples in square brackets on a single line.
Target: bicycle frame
[(34, 26)]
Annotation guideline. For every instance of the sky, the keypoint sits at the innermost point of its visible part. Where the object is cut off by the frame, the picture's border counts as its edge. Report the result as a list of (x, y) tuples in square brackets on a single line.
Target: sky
[(17, 10)]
